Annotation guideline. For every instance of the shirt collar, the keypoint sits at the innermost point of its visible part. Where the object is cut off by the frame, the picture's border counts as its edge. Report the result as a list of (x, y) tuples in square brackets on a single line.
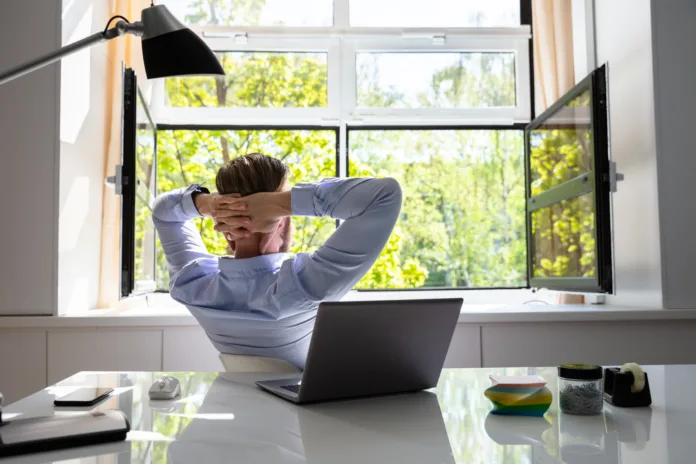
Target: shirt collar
[(257, 263)]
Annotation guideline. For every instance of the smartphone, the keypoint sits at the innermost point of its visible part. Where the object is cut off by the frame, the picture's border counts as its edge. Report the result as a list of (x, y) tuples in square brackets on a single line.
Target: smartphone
[(84, 396)]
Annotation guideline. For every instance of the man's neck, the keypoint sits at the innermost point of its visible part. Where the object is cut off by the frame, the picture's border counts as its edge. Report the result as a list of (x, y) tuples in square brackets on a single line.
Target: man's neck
[(242, 253)]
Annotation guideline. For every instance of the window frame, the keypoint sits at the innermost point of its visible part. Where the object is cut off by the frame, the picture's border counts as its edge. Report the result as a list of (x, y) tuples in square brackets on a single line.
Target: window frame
[(341, 42), (596, 182), (503, 116), (259, 116), (246, 127), (342, 83), (129, 179), (519, 127)]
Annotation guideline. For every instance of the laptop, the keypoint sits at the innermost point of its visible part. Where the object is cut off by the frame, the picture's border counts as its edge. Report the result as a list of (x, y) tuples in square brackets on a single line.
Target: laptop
[(371, 348)]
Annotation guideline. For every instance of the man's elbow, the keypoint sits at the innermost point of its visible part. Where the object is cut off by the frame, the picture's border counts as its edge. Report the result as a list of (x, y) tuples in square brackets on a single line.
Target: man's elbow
[(160, 207), (390, 192)]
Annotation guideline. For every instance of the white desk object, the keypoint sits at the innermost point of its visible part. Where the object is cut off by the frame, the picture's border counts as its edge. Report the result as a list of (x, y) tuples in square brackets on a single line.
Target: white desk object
[(225, 418)]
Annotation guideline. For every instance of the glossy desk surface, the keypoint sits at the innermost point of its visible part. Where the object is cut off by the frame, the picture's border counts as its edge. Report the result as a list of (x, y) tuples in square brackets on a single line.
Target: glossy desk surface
[(221, 418)]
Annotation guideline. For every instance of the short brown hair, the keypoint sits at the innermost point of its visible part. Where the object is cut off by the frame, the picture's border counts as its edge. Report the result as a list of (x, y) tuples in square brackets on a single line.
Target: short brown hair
[(252, 173)]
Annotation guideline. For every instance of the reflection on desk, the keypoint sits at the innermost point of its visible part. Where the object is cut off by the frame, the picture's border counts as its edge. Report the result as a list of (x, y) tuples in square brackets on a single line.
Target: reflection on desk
[(403, 428), (578, 439), (226, 418)]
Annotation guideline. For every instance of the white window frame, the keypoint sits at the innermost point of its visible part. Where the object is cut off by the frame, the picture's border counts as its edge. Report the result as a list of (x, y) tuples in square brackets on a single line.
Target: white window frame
[(341, 46), (503, 116), (260, 116)]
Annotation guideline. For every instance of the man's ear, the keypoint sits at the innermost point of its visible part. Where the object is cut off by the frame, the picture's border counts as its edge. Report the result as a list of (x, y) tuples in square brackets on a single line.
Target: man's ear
[(231, 244), (267, 239)]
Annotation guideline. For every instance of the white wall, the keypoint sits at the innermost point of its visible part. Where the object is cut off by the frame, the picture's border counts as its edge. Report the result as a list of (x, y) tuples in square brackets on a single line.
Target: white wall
[(623, 41), (584, 54), (29, 109), (673, 41), (82, 147)]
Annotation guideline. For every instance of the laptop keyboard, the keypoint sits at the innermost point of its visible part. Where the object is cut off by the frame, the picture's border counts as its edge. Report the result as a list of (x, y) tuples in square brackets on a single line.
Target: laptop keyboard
[(293, 388)]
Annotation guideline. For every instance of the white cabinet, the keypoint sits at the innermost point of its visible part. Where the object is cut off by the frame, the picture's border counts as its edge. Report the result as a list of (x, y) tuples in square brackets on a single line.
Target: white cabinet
[(22, 363), (465, 349), (603, 343), (189, 349), (71, 351)]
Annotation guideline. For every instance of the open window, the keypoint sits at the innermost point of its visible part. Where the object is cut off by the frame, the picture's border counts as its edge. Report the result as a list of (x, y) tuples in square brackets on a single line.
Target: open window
[(138, 191), (568, 189), (491, 202)]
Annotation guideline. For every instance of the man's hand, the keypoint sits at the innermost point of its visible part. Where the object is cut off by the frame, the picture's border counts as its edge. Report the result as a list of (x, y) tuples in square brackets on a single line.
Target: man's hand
[(237, 223), (264, 210)]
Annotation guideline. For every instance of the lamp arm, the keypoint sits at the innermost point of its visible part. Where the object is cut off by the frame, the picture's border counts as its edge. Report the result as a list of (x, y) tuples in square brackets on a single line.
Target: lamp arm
[(118, 30)]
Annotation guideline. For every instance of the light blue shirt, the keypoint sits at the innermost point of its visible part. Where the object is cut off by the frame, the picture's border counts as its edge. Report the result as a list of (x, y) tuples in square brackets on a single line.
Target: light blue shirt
[(266, 306)]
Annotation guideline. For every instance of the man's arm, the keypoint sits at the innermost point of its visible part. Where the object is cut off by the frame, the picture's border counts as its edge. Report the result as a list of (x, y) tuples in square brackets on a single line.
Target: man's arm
[(172, 215), (369, 208)]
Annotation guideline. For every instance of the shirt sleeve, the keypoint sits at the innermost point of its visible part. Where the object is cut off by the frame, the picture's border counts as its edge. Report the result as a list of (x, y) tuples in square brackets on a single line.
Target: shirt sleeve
[(369, 209), (172, 215)]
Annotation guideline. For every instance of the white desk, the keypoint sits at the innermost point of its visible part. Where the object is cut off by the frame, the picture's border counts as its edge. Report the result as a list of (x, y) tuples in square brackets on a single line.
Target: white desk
[(225, 418)]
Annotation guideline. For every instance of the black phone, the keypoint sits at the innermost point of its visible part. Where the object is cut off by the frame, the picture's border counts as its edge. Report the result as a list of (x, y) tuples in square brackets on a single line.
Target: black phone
[(84, 396)]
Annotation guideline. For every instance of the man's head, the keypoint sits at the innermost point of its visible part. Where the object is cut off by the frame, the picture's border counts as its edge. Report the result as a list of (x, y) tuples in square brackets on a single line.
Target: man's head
[(255, 173)]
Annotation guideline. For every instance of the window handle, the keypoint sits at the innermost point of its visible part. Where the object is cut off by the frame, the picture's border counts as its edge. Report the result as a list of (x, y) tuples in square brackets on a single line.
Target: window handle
[(117, 181), (614, 177)]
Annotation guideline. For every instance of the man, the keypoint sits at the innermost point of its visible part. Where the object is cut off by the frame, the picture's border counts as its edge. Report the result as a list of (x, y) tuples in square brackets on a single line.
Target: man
[(262, 301)]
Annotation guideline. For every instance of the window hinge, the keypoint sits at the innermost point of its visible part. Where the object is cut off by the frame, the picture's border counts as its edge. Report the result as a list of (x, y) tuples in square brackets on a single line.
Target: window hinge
[(614, 177), (116, 181)]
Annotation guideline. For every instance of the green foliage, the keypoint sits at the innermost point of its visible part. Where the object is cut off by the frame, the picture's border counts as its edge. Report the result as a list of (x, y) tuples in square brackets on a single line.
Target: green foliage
[(563, 234), (281, 80), (463, 212)]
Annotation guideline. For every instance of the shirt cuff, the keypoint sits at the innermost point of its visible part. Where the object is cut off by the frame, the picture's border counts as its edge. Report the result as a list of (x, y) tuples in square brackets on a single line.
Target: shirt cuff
[(302, 200), (188, 204)]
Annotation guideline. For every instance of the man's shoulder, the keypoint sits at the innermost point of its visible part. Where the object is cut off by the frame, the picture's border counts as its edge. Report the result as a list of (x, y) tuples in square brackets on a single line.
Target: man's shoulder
[(196, 269)]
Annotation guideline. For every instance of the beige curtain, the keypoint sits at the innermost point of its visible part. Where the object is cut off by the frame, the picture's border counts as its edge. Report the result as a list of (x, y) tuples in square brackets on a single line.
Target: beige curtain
[(554, 69), (121, 50), (554, 72)]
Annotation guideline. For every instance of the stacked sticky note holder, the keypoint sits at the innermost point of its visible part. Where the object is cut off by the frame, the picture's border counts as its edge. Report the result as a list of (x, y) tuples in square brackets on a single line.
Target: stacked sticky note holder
[(519, 395)]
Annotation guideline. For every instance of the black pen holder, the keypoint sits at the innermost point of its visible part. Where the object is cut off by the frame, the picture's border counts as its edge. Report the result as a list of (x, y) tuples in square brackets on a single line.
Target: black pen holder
[(617, 390)]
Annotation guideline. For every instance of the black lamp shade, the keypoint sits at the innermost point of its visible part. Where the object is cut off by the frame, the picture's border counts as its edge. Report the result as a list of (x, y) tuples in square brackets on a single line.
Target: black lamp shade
[(179, 53), (171, 49)]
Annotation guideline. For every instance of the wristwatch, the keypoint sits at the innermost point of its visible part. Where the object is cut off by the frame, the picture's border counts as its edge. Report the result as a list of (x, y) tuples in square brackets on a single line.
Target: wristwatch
[(198, 189)]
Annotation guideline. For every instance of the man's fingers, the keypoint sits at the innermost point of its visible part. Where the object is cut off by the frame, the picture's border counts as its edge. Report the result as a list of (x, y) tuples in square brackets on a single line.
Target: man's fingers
[(234, 198), (233, 221), (239, 205), (232, 232), (222, 213)]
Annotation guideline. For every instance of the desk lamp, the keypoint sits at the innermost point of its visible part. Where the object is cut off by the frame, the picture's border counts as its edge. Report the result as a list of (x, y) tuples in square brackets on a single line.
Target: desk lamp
[(169, 47)]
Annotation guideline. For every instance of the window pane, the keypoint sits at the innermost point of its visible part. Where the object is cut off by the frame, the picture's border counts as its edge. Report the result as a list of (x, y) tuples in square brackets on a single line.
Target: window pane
[(193, 156), (434, 13), (144, 196), (257, 80), (435, 80), (561, 148), (253, 12), (463, 215), (563, 236)]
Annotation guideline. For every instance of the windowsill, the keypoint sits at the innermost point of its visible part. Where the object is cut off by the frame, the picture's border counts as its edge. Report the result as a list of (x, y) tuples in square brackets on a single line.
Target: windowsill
[(471, 314)]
